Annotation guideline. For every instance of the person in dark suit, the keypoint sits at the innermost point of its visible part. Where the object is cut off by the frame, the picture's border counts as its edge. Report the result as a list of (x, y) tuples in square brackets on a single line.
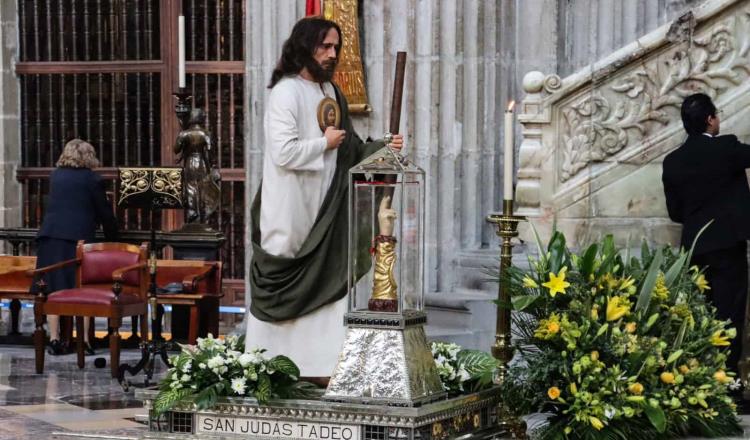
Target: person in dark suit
[(705, 180), (77, 206)]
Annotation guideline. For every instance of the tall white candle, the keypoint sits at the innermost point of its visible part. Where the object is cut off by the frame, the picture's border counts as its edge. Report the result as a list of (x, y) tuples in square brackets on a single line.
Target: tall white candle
[(181, 51), (508, 154)]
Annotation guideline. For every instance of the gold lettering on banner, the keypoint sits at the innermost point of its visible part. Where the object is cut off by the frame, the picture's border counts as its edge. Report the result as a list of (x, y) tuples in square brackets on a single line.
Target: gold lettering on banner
[(349, 74)]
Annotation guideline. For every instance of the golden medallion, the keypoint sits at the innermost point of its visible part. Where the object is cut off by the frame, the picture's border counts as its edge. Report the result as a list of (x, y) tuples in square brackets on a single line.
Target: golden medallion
[(329, 114)]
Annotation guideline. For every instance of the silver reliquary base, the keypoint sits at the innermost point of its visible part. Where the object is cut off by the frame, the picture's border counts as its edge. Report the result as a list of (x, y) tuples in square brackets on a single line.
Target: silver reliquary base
[(385, 360)]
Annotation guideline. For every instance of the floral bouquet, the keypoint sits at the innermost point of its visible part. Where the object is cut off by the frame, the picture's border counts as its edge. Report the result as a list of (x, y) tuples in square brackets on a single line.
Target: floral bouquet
[(214, 368), (463, 370), (619, 348)]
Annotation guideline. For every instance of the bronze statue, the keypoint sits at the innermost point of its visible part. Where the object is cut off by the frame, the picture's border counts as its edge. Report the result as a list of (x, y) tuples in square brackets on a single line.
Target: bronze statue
[(201, 182)]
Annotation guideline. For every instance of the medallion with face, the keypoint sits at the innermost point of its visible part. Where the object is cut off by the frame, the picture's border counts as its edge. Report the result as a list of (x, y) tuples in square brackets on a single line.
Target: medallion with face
[(329, 114)]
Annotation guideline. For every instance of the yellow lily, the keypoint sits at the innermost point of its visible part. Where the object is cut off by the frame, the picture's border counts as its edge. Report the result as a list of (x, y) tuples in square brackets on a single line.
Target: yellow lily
[(557, 283), (702, 283), (719, 339), (617, 307)]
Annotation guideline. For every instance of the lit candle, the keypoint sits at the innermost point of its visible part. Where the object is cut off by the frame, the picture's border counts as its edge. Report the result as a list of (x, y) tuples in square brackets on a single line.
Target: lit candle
[(508, 154), (181, 51)]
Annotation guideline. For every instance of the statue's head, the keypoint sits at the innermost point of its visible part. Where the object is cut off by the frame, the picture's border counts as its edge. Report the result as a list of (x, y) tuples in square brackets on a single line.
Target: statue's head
[(315, 44), (197, 117)]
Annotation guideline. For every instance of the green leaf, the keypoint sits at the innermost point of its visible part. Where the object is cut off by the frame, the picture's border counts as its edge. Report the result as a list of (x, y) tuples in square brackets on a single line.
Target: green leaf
[(587, 262), (285, 365), (476, 362), (606, 265), (674, 356), (647, 289), (680, 335), (656, 417), (263, 392), (166, 400), (608, 245), (645, 252), (557, 251), (522, 302), (695, 240), (602, 329), (206, 398), (675, 270), (539, 245)]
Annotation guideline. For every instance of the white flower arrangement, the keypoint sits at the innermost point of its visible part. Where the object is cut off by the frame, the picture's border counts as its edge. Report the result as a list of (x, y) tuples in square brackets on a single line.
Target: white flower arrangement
[(461, 370), (225, 369)]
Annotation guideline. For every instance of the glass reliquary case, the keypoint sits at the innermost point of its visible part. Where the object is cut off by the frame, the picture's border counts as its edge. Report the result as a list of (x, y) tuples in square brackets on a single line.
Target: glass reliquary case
[(386, 235)]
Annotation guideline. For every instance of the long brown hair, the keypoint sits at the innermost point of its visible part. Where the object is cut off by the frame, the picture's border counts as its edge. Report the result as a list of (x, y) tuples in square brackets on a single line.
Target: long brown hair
[(299, 48)]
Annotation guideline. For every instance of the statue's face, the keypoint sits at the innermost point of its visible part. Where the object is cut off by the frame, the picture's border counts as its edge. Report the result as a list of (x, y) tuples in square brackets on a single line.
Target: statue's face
[(325, 54)]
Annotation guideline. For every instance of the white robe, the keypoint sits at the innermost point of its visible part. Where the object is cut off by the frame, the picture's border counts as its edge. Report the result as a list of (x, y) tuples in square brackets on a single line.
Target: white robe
[(297, 172)]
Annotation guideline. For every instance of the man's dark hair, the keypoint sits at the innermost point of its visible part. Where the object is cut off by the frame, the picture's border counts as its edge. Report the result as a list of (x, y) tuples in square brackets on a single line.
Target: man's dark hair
[(695, 112), (297, 52)]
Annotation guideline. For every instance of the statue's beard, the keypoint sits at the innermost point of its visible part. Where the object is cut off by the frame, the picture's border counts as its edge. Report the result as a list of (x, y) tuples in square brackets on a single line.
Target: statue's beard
[(321, 72)]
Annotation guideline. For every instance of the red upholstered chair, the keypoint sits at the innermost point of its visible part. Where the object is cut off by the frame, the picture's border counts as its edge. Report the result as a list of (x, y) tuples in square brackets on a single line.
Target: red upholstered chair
[(111, 282)]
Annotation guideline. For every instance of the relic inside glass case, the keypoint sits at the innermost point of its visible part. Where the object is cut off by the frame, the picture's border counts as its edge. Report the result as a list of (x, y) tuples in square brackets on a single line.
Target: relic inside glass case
[(386, 234)]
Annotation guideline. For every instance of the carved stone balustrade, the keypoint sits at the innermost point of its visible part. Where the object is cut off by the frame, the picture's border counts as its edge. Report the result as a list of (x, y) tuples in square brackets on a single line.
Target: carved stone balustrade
[(593, 142)]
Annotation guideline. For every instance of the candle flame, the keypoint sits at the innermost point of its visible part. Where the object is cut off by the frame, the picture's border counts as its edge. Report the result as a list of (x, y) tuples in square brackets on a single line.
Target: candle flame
[(511, 105)]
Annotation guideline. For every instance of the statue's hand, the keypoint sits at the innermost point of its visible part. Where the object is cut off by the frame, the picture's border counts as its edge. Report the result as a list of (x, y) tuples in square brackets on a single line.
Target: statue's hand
[(386, 217)]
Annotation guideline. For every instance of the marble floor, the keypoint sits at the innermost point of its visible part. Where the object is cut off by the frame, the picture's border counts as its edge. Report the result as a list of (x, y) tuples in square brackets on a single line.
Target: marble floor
[(65, 402), (68, 403)]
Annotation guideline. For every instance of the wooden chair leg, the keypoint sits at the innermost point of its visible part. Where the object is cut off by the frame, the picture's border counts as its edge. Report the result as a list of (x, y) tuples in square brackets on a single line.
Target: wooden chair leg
[(114, 347), (66, 330), (15, 312), (79, 340), (92, 330), (134, 327), (194, 322), (144, 327), (39, 335)]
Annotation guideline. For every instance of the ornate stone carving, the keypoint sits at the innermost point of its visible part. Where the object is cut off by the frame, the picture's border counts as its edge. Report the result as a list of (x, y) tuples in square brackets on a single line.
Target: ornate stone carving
[(589, 160), (621, 111)]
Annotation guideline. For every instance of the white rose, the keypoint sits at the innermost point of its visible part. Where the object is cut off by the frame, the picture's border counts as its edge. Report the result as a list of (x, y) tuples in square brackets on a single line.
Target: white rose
[(246, 359)]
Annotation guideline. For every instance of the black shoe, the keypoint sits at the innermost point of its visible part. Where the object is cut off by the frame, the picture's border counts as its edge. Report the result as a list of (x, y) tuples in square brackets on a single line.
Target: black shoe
[(87, 350), (55, 347)]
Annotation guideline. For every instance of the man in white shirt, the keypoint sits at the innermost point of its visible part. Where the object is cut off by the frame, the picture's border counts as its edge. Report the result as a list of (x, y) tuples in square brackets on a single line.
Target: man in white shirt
[(299, 217)]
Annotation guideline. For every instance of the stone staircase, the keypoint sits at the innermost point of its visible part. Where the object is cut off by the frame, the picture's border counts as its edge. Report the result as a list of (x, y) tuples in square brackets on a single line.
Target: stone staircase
[(464, 316), (593, 142)]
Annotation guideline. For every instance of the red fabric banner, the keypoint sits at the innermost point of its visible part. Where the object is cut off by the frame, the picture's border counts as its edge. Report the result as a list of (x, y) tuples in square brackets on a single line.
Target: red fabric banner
[(312, 7)]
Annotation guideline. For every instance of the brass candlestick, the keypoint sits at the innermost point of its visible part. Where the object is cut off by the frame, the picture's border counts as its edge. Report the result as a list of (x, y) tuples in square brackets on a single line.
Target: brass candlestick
[(507, 228)]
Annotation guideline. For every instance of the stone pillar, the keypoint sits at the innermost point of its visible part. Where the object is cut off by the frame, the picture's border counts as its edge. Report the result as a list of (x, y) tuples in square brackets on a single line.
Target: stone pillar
[(10, 108)]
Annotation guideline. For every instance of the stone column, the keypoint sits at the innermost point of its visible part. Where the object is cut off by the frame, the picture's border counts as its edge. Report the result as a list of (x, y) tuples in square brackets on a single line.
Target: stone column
[(10, 108)]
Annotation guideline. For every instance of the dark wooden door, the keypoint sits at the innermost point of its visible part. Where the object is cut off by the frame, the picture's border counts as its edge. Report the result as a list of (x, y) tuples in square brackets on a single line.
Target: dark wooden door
[(105, 71)]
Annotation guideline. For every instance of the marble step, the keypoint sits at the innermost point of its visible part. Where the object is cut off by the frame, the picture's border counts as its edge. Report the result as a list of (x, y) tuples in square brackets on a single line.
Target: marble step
[(464, 316)]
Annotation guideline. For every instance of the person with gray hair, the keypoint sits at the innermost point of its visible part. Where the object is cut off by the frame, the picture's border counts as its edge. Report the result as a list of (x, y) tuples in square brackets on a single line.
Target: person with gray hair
[(77, 204)]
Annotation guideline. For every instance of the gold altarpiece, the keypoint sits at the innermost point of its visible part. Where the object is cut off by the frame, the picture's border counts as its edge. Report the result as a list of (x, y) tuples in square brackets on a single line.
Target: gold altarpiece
[(349, 73)]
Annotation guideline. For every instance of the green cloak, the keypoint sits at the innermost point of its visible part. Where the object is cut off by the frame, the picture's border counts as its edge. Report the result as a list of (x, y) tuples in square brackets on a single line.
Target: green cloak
[(284, 288)]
